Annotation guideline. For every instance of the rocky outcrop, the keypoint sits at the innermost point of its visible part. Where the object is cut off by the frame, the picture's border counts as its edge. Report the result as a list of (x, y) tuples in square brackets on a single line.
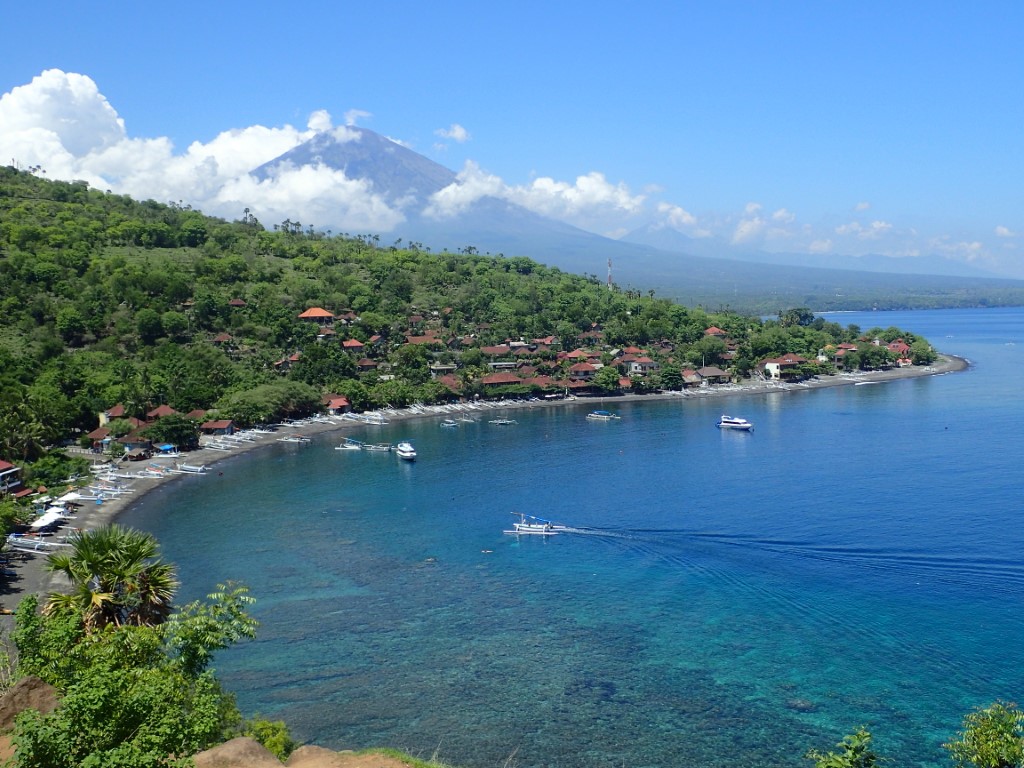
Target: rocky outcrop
[(28, 693), (244, 752), (318, 757)]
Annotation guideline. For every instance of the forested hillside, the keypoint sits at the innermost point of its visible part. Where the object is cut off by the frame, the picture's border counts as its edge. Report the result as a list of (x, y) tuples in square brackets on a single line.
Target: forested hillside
[(105, 300)]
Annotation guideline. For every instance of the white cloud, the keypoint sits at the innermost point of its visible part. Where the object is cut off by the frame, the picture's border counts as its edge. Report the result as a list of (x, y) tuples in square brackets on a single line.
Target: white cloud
[(589, 195), (751, 208), (820, 246), (63, 123), (319, 121), (355, 115), (970, 251), (783, 216), (872, 231), (589, 198), (64, 109), (1002, 231), (455, 133), (749, 230), (677, 217), (326, 194), (469, 186), (862, 206)]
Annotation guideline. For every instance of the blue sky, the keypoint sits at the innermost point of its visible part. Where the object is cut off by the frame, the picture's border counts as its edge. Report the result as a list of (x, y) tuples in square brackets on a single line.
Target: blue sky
[(869, 127)]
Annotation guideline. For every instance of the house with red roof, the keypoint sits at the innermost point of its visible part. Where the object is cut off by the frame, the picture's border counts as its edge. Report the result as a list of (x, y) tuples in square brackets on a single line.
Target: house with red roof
[(160, 411), (715, 331), (353, 345), (117, 412), (500, 378), (452, 382), (218, 427), (336, 404), (10, 479), (774, 367), (582, 371), (317, 315)]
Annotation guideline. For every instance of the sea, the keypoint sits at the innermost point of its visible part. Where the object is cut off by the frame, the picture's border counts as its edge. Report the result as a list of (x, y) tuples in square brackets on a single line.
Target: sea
[(725, 599)]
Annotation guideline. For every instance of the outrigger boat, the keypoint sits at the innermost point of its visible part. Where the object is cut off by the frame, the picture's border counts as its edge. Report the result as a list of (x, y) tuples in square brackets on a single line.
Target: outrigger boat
[(603, 416), (529, 525)]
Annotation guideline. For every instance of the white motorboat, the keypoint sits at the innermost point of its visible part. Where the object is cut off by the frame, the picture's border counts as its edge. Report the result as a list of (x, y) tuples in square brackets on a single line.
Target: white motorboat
[(603, 416), (350, 444), (734, 422), (449, 423), (529, 525), (406, 451)]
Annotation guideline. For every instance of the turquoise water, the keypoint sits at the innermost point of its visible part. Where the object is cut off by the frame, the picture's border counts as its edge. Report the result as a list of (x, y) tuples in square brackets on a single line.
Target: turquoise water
[(739, 598)]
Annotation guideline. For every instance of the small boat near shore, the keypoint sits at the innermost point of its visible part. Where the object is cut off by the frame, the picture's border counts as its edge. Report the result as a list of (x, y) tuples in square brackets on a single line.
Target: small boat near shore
[(406, 451), (377, 447), (449, 424), (603, 416), (502, 422), (734, 422), (350, 444), (530, 525)]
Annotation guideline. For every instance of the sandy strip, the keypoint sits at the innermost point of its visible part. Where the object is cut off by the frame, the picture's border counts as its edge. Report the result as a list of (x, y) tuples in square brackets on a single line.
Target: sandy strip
[(28, 575)]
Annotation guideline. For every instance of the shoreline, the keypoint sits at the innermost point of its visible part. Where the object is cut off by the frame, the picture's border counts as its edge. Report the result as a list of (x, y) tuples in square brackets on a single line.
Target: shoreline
[(29, 577)]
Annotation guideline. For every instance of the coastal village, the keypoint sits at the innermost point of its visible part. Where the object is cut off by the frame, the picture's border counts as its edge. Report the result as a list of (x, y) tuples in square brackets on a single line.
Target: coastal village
[(538, 368)]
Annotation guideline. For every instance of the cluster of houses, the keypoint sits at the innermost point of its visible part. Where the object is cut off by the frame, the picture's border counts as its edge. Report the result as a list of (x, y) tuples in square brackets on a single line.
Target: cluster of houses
[(543, 363), (540, 364)]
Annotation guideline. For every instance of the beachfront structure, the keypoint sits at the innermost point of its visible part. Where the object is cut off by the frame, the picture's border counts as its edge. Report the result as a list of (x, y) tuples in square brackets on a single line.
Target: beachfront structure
[(775, 366), (10, 479)]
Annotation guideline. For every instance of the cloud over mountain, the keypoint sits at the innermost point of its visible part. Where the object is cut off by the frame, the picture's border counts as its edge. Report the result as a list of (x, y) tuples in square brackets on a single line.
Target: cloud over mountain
[(61, 122)]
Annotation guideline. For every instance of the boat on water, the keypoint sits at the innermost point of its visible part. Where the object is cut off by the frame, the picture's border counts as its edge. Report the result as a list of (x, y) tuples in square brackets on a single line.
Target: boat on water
[(449, 424), (406, 451), (502, 422), (529, 525), (603, 416), (734, 422), (377, 447), (350, 444), (295, 439)]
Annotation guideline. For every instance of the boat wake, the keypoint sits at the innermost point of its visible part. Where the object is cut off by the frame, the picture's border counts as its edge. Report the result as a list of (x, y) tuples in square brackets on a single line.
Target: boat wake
[(991, 574)]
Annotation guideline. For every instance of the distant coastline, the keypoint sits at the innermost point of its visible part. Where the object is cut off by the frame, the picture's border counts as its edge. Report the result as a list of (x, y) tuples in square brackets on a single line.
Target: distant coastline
[(33, 579)]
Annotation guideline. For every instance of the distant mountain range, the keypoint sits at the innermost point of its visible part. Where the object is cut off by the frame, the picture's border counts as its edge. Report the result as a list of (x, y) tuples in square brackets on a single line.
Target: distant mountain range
[(693, 271)]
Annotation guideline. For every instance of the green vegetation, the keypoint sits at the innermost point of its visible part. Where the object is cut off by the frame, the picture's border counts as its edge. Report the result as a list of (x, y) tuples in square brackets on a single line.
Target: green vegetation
[(105, 300), (991, 738), (854, 752), (133, 676)]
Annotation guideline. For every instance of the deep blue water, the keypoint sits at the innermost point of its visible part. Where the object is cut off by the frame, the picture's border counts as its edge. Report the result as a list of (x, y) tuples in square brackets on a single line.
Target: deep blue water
[(857, 559)]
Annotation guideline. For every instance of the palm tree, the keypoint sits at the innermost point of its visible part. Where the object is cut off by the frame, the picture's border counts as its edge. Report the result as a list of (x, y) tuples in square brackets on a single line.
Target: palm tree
[(116, 578)]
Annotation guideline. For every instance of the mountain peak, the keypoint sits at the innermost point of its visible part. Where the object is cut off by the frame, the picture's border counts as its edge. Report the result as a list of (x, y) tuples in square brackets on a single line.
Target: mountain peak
[(396, 172)]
